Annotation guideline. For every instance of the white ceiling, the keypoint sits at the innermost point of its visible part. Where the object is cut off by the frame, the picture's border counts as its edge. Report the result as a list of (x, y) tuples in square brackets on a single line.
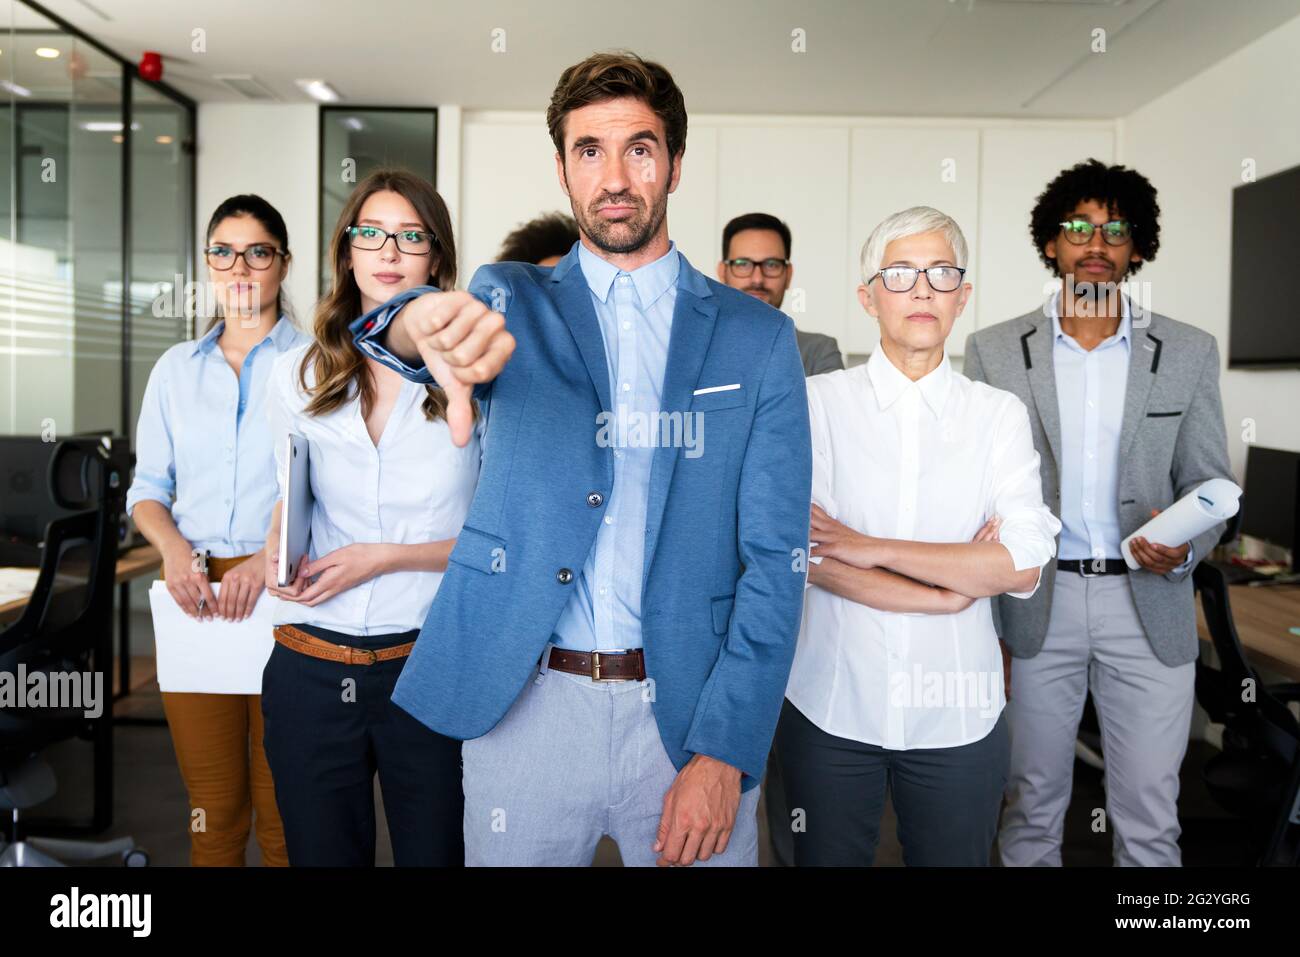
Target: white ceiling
[(1018, 58)]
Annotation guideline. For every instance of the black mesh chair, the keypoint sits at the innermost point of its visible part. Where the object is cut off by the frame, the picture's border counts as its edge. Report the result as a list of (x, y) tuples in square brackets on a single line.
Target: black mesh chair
[(64, 631), (1257, 774)]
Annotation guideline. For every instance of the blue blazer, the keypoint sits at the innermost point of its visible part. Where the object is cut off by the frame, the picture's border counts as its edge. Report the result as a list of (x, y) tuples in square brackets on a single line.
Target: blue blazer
[(726, 530)]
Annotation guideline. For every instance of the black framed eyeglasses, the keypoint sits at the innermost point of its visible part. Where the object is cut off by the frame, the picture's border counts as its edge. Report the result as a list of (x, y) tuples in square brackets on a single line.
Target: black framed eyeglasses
[(903, 278), (257, 257), (745, 267), (413, 242), (1116, 232)]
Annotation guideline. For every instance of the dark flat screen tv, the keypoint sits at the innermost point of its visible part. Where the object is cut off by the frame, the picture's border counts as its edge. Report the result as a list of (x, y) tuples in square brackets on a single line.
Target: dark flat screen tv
[(1264, 323)]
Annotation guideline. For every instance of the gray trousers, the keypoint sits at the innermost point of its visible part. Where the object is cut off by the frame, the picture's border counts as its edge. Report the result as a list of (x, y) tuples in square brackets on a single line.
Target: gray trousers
[(573, 760), (1095, 641)]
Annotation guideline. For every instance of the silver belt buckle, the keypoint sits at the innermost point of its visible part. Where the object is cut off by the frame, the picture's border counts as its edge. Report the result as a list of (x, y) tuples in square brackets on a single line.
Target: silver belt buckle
[(1084, 565)]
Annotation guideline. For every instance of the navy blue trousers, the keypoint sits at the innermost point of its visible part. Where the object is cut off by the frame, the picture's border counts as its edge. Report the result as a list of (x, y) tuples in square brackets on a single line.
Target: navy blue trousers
[(947, 799), (329, 729)]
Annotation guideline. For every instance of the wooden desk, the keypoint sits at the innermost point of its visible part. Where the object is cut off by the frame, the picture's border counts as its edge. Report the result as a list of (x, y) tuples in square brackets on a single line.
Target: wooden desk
[(132, 563), (1263, 617)]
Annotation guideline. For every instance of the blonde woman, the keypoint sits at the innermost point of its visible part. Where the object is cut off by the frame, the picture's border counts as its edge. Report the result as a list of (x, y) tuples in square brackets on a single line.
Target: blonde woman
[(391, 492)]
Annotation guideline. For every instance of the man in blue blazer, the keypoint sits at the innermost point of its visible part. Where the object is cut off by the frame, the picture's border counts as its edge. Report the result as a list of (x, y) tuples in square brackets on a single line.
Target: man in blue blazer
[(615, 628)]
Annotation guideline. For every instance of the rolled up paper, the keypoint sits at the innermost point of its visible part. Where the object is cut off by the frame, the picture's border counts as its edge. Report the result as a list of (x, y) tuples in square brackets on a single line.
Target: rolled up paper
[(1198, 511)]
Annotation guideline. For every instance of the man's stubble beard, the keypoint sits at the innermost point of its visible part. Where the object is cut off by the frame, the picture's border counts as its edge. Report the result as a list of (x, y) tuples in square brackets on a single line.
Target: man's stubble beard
[(600, 231)]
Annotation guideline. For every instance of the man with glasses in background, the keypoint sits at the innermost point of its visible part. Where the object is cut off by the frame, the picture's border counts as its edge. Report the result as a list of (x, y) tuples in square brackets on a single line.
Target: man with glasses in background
[(756, 260), (1127, 418)]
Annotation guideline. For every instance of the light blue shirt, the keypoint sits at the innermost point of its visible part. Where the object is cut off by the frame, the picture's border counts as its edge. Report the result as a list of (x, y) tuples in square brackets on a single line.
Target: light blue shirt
[(635, 312), (203, 443), (1091, 385)]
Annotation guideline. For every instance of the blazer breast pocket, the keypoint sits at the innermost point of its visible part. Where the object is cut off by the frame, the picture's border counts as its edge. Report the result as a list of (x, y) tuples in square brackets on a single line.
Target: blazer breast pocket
[(714, 399)]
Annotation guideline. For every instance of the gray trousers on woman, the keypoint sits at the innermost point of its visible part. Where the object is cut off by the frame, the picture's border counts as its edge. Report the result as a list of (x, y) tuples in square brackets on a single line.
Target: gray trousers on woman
[(573, 760), (946, 799)]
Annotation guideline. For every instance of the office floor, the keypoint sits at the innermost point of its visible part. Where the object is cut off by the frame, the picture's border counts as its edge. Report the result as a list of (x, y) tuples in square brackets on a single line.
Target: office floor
[(151, 805)]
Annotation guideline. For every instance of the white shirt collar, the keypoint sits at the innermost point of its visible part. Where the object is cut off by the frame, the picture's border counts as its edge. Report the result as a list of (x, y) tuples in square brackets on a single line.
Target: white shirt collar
[(889, 382)]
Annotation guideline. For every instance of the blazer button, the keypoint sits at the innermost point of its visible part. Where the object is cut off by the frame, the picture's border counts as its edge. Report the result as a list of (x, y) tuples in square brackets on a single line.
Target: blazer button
[(594, 499), (564, 576)]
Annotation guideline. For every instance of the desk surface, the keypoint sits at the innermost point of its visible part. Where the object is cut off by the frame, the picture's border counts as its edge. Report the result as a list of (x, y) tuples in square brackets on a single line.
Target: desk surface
[(1263, 617), (132, 563)]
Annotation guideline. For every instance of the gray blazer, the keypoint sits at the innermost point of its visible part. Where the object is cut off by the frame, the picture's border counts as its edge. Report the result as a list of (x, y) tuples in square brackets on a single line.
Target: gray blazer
[(1172, 438), (820, 353)]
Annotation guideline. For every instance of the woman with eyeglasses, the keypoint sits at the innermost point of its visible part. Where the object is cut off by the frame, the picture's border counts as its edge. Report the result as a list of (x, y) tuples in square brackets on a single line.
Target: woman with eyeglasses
[(926, 502), (202, 494), (391, 493)]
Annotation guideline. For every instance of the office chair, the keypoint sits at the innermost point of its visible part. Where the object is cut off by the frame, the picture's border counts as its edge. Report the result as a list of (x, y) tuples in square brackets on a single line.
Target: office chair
[(1257, 774), (65, 628)]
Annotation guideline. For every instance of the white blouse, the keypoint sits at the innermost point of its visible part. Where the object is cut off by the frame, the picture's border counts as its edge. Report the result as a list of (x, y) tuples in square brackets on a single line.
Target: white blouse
[(414, 487), (926, 461)]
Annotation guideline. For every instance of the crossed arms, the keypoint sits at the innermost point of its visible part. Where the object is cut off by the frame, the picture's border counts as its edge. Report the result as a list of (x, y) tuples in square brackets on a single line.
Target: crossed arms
[(904, 576)]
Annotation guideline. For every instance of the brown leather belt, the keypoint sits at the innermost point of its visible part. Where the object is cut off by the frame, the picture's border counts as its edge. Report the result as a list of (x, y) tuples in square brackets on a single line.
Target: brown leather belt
[(217, 567), (298, 640), (600, 665)]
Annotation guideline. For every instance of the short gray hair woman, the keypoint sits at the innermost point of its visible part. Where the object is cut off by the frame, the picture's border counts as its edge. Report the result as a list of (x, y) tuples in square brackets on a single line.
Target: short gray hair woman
[(926, 502)]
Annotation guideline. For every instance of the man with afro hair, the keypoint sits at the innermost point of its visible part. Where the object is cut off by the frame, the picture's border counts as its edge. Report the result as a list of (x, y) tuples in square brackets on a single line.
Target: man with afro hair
[(1127, 418)]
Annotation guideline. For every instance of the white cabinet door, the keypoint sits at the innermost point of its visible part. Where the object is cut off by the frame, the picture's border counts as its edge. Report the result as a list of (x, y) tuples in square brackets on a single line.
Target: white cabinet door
[(693, 209), (1015, 167), (798, 174), (507, 178), (893, 169)]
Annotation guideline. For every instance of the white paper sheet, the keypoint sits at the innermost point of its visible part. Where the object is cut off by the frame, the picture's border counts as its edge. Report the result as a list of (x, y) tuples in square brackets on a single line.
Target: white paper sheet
[(1199, 510), (212, 657), (17, 583)]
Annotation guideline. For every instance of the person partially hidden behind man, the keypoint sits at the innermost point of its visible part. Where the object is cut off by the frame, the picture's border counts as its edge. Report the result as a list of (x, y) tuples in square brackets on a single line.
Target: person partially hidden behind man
[(543, 241), (756, 260)]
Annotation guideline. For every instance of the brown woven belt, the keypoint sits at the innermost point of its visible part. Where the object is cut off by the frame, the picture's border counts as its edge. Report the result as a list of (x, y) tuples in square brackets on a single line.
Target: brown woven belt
[(298, 640), (600, 665), (217, 567)]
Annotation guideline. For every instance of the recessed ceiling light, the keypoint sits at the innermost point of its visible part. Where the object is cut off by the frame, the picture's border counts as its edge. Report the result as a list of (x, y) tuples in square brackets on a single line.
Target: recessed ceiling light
[(48, 53), (14, 88), (164, 140), (105, 126), (119, 138), (319, 90)]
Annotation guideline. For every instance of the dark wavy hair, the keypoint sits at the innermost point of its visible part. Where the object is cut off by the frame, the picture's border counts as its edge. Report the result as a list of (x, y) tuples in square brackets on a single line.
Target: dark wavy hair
[(340, 367), (607, 76), (1125, 192), (552, 234)]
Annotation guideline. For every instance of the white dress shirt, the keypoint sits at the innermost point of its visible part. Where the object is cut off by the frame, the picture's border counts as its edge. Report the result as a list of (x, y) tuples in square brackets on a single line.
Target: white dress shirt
[(414, 487), (926, 461), (1091, 389)]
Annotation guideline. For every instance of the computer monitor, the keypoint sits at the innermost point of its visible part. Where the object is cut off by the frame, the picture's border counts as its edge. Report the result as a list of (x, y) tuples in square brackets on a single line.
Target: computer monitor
[(1270, 507)]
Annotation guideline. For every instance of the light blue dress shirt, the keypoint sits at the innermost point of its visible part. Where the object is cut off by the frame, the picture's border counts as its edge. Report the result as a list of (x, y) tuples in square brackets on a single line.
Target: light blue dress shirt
[(203, 442), (635, 312), (1091, 385)]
